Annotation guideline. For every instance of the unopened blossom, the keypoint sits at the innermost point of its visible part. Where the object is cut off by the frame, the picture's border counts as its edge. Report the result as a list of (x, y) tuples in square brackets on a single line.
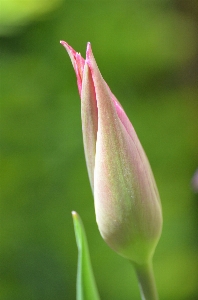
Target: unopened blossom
[(127, 202)]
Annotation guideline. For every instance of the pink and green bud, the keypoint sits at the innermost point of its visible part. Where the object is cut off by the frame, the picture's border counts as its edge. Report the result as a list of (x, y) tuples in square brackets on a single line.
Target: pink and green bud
[(127, 202)]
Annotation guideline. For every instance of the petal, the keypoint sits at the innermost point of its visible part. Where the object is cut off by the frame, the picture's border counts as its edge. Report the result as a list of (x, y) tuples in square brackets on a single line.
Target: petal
[(77, 62), (89, 116), (88, 107), (127, 205)]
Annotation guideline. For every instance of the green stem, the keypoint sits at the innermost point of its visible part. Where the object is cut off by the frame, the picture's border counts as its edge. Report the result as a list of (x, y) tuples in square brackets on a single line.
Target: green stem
[(146, 281)]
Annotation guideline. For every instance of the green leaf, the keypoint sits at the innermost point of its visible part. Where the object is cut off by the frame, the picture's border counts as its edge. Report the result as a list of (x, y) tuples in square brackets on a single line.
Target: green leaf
[(86, 286)]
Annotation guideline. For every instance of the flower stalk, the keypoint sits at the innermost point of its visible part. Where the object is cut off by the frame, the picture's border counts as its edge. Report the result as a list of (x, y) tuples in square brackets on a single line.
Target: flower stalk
[(146, 281)]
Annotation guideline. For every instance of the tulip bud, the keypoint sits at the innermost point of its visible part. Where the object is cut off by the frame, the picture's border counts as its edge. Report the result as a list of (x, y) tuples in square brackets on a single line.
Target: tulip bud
[(127, 202)]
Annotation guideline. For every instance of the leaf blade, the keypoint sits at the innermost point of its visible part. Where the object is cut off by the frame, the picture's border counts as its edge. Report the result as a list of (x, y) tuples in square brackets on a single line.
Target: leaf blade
[(86, 288)]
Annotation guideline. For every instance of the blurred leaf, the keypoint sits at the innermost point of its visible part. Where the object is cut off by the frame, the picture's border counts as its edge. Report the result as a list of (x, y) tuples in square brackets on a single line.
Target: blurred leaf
[(14, 14), (86, 287)]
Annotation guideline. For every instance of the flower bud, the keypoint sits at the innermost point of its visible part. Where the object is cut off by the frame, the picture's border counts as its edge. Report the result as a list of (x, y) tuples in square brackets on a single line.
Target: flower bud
[(127, 202)]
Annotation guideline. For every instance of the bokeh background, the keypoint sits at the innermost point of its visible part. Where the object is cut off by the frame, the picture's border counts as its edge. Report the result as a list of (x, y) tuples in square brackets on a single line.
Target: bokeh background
[(147, 51)]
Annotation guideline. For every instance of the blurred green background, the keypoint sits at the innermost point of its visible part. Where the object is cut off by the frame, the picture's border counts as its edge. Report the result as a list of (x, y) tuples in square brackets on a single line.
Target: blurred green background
[(147, 52)]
